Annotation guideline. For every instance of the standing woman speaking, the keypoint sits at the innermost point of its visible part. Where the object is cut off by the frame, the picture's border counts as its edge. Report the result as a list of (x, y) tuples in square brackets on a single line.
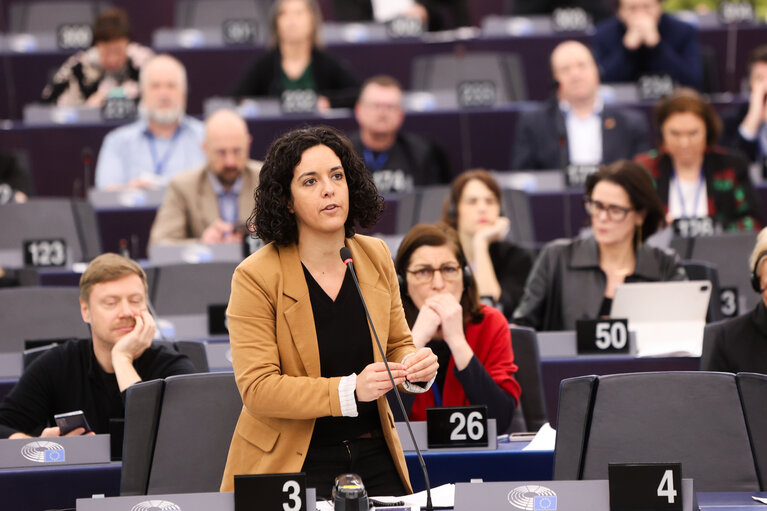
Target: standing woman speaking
[(312, 382)]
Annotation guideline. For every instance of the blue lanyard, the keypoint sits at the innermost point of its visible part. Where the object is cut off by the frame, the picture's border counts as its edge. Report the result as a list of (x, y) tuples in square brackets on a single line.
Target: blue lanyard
[(373, 162), (701, 184), (437, 394), (160, 164)]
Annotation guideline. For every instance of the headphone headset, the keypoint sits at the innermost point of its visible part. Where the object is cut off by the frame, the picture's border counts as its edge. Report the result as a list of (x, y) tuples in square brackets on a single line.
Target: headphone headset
[(756, 283), (468, 278)]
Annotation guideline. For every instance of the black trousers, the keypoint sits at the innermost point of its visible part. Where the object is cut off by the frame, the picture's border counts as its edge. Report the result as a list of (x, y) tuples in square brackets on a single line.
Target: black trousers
[(367, 457)]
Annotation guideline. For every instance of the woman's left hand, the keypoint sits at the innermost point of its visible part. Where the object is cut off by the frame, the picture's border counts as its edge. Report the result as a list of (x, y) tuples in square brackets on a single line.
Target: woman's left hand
[(421, 366), (451, 312)]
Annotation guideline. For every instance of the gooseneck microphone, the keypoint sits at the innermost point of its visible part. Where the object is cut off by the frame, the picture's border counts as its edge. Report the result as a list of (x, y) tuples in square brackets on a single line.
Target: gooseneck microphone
[(346, 257)]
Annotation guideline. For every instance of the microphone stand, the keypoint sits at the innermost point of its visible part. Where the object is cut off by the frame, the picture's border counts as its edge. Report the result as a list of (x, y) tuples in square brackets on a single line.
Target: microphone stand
[(346, 257)]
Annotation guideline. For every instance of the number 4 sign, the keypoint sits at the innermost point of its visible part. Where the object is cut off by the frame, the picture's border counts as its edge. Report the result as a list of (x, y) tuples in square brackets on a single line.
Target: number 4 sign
[(641, 486)]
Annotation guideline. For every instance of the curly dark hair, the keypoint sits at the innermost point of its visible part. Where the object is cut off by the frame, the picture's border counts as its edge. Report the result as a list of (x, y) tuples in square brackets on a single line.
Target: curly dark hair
[(271, 220)]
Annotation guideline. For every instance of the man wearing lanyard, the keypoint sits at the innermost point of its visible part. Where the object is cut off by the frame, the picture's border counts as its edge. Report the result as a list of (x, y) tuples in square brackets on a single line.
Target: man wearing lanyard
[(397, 160), (162, 143), (212, 202)]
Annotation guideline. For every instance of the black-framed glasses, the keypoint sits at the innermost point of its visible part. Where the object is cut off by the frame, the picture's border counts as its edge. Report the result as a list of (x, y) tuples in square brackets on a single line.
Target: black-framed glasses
[(424, 274), (614, 212)]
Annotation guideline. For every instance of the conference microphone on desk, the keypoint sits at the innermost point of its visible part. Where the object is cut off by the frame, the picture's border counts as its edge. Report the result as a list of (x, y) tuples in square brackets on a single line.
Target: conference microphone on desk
[(346, 257)]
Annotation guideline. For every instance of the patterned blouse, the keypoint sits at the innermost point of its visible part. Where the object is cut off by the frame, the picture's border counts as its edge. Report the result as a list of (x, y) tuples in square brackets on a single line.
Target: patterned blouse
[(732, 199), (82, 75)]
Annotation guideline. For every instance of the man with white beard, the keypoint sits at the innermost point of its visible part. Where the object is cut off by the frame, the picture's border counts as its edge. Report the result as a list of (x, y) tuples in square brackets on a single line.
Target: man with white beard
[(163, 142)]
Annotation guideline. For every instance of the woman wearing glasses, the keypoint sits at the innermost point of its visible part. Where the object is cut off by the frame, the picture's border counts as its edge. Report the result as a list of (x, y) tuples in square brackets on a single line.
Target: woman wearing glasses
[(472, 341), (576, 279)]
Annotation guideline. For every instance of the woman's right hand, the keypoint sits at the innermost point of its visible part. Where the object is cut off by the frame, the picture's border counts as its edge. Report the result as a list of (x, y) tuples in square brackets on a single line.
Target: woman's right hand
[(373, 382), (495, 231), (425, 327)]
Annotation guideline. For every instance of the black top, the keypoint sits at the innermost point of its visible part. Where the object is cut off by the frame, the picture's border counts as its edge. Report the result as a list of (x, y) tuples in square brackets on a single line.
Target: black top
[(264, 78), (345, 347), (68, 378), (738, 344), (12, 174), (411, 161), (512, 265)]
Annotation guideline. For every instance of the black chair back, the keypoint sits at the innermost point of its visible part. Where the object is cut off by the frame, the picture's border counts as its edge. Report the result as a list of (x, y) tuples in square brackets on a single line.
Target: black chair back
[(753, 396), (142, 414), (527, 357), (695, 418), (196, 424)]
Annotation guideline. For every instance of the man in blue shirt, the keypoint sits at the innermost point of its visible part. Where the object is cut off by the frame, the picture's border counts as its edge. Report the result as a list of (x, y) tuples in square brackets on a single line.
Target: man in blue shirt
[(642, 40), (162, 143), (211, 202)]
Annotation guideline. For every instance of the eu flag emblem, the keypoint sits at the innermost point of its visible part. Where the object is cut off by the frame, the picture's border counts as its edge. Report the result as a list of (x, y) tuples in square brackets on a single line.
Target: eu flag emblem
[(54, 456), (545, 503)]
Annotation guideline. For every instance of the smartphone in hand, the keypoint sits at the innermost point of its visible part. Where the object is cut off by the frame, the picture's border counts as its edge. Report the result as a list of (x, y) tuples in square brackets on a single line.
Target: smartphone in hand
[(70, 421)]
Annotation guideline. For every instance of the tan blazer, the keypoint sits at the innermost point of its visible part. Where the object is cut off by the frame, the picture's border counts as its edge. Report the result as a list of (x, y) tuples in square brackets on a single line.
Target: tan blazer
[(190, 205), (276, 357)]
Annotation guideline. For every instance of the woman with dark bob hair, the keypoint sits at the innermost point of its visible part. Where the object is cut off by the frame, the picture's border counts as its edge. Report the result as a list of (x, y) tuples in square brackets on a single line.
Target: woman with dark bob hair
[(576, 279), (472, 341), (702, 185), (500, 267), (312, 382)]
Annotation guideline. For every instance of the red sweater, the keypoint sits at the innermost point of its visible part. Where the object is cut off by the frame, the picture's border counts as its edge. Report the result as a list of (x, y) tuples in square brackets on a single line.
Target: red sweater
[(490, 340)]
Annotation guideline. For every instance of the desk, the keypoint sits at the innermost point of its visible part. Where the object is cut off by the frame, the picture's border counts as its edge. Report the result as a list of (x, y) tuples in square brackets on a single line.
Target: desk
[(728, 501), (479, 137), (54, 488), (38, 489), (507, 463)]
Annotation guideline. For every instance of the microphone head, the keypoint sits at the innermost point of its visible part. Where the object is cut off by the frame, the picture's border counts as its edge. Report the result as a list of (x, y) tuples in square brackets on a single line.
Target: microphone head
[(346, 255)]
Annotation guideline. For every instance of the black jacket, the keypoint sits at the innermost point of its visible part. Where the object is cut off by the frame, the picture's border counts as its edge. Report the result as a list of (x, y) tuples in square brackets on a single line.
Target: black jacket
[(540, 141), (738, 344), (677, 54), (264, 78), (413, 161)]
